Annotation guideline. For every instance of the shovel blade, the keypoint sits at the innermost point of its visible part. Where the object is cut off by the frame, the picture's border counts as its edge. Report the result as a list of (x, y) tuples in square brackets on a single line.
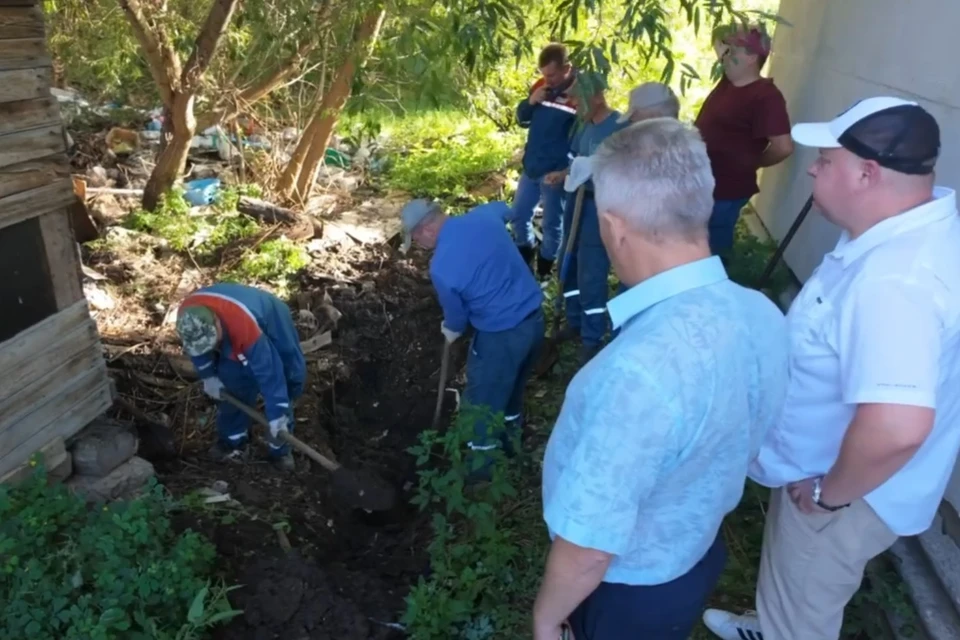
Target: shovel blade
[(363, 490)]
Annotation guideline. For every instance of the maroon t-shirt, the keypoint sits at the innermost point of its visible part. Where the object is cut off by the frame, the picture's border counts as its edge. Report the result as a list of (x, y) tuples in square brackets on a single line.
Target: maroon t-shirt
[(736, 124)]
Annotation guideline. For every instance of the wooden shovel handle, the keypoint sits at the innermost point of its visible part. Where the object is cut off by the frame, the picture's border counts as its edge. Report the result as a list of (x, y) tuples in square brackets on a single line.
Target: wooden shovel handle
[(286, 436), (442, 385)]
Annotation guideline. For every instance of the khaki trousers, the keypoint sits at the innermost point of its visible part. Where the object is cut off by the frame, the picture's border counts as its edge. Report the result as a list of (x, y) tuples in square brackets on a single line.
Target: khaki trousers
[(812, 565)]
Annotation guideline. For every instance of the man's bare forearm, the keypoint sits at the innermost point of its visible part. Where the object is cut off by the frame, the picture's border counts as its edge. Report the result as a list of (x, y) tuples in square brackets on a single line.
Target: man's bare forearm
[(873, 450), (572, 574)]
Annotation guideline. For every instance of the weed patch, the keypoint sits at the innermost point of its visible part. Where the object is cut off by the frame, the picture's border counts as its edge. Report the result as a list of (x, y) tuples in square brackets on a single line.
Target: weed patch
[(202, 233), (73, 572), (273, 262), (444, 155), (481, 568)]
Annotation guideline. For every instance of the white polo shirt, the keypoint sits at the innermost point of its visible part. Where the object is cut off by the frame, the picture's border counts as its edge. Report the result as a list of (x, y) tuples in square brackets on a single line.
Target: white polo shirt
[(877, 322)]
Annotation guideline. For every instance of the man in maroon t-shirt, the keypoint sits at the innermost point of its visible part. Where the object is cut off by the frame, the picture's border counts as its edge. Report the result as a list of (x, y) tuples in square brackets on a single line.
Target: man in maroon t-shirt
[(745, 126)]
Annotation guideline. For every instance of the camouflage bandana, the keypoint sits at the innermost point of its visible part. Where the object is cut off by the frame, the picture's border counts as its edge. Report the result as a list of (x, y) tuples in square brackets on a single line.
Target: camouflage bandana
[(197, 327)]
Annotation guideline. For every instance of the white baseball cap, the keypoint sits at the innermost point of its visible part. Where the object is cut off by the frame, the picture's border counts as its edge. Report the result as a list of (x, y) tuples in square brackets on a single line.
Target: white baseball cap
[(896, 133)]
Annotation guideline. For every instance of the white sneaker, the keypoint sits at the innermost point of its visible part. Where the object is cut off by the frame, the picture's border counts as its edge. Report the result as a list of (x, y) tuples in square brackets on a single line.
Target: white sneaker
[(728, 626)]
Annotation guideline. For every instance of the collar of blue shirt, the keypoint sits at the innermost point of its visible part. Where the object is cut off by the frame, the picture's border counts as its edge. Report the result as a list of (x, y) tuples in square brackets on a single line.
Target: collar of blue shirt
[(662, 286)]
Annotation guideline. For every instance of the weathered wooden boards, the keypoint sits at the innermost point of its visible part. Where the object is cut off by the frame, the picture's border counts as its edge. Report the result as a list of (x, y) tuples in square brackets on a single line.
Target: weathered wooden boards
[(55, 383), (55, 458), (54, 376)]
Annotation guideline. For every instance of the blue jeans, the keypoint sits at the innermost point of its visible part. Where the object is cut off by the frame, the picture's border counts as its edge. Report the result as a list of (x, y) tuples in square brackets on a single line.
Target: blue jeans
[(723, 221), (530, 191), (498, 367), (232, 423), (664, 611), (585, 281)]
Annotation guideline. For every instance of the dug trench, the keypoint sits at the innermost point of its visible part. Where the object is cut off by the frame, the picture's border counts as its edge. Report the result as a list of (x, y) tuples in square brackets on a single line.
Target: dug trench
[(309, 566)]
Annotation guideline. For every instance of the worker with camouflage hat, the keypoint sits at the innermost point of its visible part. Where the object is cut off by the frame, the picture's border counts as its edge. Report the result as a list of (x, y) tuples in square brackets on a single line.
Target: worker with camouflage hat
[(242, 340), (483, 282)]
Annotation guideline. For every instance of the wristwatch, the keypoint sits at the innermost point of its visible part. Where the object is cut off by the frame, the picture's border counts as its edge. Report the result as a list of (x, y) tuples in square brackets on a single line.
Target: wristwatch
[(816, 497)]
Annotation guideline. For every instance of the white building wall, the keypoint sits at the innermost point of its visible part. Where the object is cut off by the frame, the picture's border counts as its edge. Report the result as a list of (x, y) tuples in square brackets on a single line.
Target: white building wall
[(839, 51)]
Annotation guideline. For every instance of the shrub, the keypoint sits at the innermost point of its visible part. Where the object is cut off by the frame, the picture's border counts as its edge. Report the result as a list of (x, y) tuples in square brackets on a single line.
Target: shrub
[(73, 572), (478, 559)]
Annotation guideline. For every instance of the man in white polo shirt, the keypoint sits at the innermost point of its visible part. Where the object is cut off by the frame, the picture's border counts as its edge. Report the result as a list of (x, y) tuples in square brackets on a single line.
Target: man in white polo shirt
[(870, 429)]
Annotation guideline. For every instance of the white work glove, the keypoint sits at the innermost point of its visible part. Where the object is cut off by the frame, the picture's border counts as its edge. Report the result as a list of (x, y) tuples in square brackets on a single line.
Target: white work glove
[(449, 334), (278, 425), (581, 169), (212, 387)]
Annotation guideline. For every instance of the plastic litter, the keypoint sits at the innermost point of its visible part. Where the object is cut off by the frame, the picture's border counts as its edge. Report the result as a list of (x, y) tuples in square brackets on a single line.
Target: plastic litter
[(201, 193), (335, 158)]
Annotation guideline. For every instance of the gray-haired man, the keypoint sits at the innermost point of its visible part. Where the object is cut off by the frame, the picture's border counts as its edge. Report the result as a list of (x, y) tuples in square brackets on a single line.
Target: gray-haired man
[(652, 445), (651, 100)]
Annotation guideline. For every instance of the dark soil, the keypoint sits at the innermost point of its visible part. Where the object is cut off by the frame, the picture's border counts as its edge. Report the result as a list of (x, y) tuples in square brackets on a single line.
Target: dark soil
[(369, 395)]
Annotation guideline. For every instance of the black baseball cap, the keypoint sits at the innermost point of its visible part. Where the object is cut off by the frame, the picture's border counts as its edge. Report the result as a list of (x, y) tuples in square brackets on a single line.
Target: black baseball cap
[(895, 133)]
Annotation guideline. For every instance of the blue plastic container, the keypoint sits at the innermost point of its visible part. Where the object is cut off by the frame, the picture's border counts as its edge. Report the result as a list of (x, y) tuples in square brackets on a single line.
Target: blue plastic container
[(202, 192)]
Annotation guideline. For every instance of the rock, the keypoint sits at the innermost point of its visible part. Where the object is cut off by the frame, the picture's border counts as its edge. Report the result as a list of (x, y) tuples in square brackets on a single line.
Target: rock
[(124, 482), (106, 209), (99, 299), (102, 447)]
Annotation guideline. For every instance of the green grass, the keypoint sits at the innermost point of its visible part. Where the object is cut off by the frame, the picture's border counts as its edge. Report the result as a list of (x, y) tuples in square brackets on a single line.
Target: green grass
[(445, 155)]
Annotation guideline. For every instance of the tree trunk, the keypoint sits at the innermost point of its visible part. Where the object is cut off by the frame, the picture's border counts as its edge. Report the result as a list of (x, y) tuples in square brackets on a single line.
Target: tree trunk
[(178, 85), (173, 157), (301, 171)]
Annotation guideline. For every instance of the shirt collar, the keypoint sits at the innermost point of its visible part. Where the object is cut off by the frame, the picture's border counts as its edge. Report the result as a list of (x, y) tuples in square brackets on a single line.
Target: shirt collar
[(943, 205), (663, 286)]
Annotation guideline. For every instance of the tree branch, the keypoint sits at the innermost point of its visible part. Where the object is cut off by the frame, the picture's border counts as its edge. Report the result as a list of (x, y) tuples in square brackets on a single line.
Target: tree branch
[(152, 40), (207, 41), (262, 88)]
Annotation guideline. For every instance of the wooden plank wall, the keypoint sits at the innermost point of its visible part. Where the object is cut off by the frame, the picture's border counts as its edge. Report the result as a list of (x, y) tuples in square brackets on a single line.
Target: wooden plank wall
[(55, 378)]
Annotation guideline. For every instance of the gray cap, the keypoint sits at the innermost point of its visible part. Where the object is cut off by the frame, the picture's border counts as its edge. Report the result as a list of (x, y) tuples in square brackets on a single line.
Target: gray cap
[(649, 94), (197, 327), (413, 214)]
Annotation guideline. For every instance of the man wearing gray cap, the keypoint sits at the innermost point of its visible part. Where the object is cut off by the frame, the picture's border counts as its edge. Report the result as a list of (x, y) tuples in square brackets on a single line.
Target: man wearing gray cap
[(482, 281), (651, 100)]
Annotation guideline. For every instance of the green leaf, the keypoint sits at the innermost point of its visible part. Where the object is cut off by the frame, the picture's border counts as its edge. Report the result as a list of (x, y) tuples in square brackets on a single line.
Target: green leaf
[(195, 614), (223, 616)]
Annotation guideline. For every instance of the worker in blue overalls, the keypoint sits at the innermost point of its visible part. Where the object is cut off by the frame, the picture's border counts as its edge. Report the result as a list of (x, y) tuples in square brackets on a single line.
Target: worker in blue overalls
[(242, 340), (585, 288), (482, 281), (548, 113)]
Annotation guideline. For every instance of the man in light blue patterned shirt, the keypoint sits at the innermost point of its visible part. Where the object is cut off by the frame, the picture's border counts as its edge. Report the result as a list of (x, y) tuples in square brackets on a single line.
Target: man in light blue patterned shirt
[(651, 448)]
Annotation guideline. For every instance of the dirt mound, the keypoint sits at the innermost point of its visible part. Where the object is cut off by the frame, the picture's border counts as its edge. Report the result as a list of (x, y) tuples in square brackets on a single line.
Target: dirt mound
[(369, 395), (292, 598)]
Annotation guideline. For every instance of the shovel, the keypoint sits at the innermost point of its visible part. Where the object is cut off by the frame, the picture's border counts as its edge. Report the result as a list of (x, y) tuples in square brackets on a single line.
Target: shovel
[(551, 349), (358, 488), (441, 390)]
